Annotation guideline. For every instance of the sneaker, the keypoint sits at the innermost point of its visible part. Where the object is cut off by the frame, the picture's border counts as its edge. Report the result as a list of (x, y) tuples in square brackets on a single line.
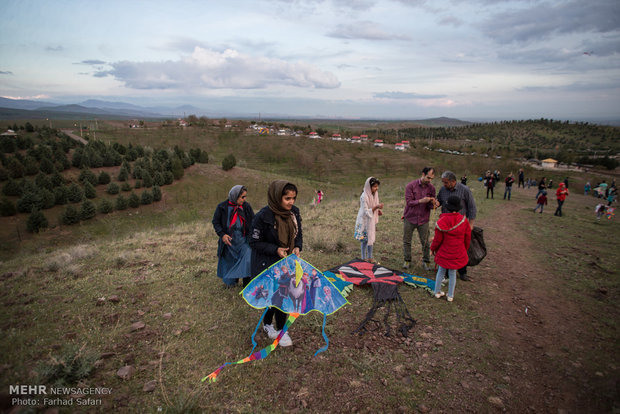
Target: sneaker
[(285, 340), (449, 299), (426, 267), (440, 294), (270, 331), (406, 265)]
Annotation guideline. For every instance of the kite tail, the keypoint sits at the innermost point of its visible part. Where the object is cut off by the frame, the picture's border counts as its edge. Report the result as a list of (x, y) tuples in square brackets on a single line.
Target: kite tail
[(263, 353), (324, 348)]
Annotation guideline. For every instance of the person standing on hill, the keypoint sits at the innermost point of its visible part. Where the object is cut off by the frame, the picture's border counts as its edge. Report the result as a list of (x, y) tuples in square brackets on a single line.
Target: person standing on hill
[(368, 217), (489, 183), (509, 181), (231, 222), (276, 233), (542, 186), (541, 202), (560, 194), (450, 245), (521, 178), (468, 205), (419, 201)]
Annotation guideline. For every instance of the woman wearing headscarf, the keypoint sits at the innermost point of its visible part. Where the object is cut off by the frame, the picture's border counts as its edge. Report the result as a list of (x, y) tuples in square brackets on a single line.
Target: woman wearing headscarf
[(231, 221), (276, 233), (367, 217)]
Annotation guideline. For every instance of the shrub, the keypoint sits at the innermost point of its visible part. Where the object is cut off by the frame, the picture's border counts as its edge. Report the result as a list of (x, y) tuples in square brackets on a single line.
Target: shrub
[(104, 178), (30, 201), (16, 168), (42, 181), (48, 199), (134, 200), (68, 368), (88, 210), (147, 180), (156, 193), (123, 174), (138, 184), (204, 157), (106, 206), (61, 195), (158, 179), (177, 168), (12, 188), (4, 174), (7, 208), (47, 166), (70, 216), (121, 203), (126, 186), (88, 175), (75, 193), (113, 188), (168, 178), (146, 197), (89, 190), (229, 162), (57, 179), (36, 221)]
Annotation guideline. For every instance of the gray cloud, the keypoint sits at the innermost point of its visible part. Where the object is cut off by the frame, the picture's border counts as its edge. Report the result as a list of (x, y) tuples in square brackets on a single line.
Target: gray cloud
[(406, 95), (57, 48), (545, 20), (363, 30), (210, 69), (92, 62), (5, 72), (451, 21)]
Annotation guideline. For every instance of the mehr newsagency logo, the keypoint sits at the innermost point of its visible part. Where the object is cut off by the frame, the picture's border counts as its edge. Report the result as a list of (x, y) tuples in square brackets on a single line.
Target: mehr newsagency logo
[(42, 395)]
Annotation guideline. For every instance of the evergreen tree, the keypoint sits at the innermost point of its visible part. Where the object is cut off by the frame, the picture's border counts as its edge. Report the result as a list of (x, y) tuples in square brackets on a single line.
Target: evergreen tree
[(75, 193), (43, 181), (177, 168), (158, 179), (12, 188), (146, 197), (48, 198), (126, 186), (16, 168), (106, 206), (61, 195), (4, 174), (138, 184), (31, 166), (147, 180), (7, 208), (134, 200), (47, 166), (113, 188), (121, 203), (88, 175), (30, 201), (123, 174), (168, 178), (89, 190), (88, 210), (156, 193), (70, 216), (57, 179), (229, 162), (36, 221), (104, 178), (204, 157)]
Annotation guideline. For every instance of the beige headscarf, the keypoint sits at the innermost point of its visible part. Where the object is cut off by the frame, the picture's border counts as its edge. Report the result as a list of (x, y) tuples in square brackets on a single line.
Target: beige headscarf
[(372, 200), (286, 224)]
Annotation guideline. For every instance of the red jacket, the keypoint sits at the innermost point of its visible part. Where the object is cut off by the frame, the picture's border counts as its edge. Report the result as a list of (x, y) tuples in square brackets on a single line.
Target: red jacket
[(561, 192), (451, 242)]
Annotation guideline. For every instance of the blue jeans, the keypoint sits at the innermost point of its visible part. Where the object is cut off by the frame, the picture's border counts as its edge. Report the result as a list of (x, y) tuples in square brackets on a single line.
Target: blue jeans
[(366, 250), (508, 190), (439, 278)]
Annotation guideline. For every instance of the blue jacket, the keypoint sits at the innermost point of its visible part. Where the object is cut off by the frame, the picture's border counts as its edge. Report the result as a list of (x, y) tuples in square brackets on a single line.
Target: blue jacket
[(264, 239)]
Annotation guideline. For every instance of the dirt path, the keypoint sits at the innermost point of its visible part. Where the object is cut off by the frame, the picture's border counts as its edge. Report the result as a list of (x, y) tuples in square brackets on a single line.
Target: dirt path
[(541, 335), (71, 135)]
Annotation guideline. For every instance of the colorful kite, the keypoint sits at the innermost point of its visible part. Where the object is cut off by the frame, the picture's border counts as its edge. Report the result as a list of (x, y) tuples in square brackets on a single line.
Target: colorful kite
[(384, 282), (295, 287)]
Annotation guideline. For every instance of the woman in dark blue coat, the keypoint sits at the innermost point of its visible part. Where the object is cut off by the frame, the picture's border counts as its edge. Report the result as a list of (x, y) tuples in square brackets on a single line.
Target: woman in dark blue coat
[(276, 233), (231, 221)]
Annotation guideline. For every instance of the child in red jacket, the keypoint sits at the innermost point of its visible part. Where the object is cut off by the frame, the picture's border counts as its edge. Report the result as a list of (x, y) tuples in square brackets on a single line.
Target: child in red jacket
[(450, 244)]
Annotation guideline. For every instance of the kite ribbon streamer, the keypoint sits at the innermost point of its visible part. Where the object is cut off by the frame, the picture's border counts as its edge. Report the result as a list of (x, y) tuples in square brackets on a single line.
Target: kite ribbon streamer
[(263, 353), (324, 337)]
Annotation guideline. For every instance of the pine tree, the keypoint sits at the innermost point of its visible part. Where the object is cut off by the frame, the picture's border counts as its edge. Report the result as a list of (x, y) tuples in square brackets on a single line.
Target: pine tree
[(168, 178), (126, 186), (147, 180), (134, 200), (89, 190), (75, 193), (36, 221), (156, 193), (121, 203), (88, 175), (229, 162), (7, 208), (70, 215), (12, 188), (113, 188), (177, 168), (31, 200), (123, 174), (88, 210), (104, 178), (48, 199), (106, 206), (61, 195), (146, 197)]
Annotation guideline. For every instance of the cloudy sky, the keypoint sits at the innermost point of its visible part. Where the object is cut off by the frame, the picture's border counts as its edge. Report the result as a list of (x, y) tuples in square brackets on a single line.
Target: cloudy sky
[(413, 59)]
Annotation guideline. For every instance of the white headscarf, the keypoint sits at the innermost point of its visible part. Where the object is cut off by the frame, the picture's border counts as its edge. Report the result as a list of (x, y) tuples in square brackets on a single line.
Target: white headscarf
[(372, 200)]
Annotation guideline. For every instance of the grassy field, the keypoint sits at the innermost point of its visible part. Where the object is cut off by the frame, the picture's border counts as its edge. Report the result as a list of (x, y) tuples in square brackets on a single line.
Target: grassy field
[(87, 286)]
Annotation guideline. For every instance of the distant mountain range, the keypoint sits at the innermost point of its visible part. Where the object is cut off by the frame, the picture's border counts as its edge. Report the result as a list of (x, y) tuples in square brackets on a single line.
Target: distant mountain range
[(92, 108)]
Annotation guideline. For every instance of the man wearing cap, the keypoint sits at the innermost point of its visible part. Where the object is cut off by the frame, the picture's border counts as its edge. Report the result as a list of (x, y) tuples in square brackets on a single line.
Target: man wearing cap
[(468, 206), (419, 201)]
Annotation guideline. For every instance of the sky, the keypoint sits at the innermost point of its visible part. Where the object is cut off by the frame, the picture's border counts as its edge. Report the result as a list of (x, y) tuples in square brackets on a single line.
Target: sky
[(378, 59)]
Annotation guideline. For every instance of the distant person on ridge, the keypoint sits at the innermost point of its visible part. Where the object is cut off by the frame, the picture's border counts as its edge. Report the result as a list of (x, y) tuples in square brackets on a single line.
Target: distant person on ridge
[(468, 204), (419, 201), (231, 222)]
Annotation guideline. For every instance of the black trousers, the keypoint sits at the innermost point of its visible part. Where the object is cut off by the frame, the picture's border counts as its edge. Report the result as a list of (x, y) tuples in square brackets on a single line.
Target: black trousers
[(281, 318)]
